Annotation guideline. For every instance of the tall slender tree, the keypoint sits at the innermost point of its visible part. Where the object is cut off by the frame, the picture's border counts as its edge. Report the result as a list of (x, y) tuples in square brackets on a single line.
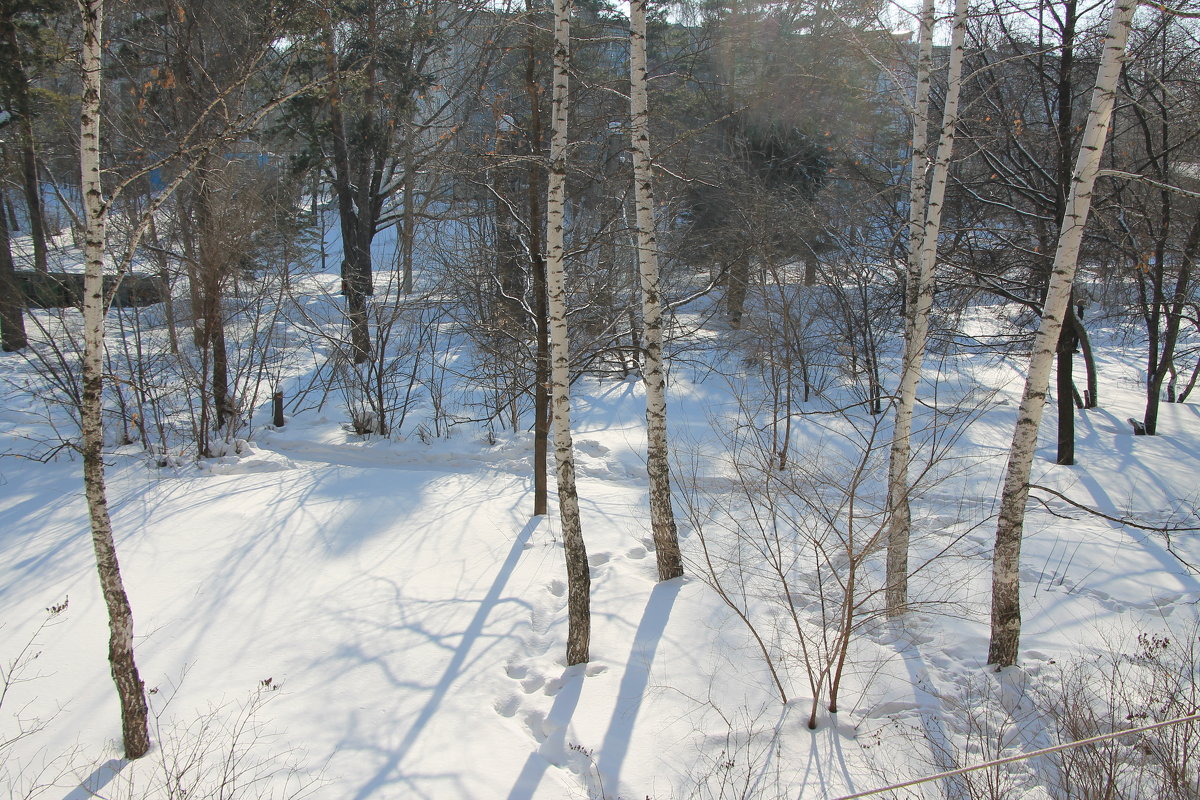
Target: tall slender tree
[(193, 150), (130, 690), (1006, 557), (662, 517), (579, 579), (926, 202)]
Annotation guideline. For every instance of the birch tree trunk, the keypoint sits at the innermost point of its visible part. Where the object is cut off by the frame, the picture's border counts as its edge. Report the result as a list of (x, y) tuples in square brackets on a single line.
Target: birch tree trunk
[(662, 517), (579, 577), (926, 202), (130, 689), (1006, 558)]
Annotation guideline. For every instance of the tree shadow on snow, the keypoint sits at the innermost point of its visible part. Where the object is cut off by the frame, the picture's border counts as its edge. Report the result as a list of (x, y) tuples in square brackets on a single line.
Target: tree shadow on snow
[(389, 772)]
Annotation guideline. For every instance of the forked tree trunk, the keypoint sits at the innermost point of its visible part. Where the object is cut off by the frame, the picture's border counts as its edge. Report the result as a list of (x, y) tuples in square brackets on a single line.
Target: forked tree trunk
[(924, 223), (211, 266), (1174, 312), (130, 690), (579, 578), (1006, 558), (662, 517)]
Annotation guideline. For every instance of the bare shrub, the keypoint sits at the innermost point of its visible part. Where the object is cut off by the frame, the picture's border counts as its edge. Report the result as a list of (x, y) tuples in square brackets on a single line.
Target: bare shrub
[(226, 753), (36, 775), (1001, 715)]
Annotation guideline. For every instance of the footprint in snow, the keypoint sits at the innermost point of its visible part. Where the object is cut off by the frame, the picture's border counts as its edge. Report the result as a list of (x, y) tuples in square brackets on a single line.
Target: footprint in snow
[(507, 706), (599, 559), (540, 621), (556, 587), (535, 721), (592, 448), (636, 552)]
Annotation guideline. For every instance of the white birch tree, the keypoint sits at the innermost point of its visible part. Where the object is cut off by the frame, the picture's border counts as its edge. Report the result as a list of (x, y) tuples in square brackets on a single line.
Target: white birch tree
[(191, 154), (130, 690), (926, 201), (579, 577), (1006, 557), (662, 516)]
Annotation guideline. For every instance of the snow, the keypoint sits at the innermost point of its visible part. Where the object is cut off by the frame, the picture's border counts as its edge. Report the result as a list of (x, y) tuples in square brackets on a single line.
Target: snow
[(393, 622)]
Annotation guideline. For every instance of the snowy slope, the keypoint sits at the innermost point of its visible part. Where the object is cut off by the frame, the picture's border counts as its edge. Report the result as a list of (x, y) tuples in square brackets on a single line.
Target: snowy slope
[(397, 622)]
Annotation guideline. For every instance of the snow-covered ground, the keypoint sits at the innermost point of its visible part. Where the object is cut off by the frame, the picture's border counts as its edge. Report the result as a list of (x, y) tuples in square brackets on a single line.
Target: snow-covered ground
[(381, 618)]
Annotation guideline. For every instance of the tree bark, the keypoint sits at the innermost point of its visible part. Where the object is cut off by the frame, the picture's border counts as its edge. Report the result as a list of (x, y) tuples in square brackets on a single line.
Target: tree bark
[(579, 577), (737, 286), (33, 191), (1006, 597), (662, 517), (12, 314), (130, 690), (1089, 362), (357, 224), (537, 265), (410, 216), (924, 222), (211, 268), (1065, 392)]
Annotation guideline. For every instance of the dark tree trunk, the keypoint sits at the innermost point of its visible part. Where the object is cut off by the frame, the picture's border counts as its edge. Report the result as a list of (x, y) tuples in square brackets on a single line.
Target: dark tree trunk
[(541, 307), (1065, 395), (33, 192), (211, 268), (410, 217), (12, 316), (28, 142), (541, 392), (1092, 394), (357, 223)]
